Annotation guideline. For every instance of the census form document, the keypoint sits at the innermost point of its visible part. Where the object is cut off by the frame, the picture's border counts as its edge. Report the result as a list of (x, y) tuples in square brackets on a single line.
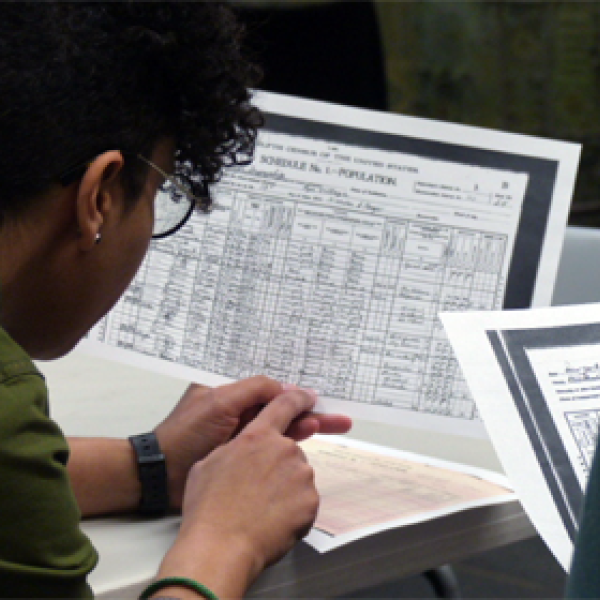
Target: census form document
[(535, 375), (325, 262)]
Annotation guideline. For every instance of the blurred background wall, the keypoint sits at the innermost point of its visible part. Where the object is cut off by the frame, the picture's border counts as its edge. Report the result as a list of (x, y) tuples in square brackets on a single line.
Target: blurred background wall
[(526, 67)]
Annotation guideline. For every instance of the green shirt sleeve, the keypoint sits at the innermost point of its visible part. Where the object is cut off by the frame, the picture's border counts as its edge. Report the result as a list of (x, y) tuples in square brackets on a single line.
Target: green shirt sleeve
[(43, 553)]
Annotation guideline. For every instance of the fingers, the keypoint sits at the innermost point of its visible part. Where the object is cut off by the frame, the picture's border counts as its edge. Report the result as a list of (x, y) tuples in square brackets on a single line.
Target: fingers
[(302, 428), (281, 412), (307, 425), (333, 424), (198, 387), (246, 398), (247, 393)]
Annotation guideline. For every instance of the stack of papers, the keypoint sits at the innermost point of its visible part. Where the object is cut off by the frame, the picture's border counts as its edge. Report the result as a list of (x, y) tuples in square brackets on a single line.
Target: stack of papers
[(365, 489)]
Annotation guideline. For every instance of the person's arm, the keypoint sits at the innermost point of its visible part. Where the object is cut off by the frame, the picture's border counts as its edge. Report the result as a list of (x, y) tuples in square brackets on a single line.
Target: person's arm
[(245, 506), (104, 475), (104, 472)]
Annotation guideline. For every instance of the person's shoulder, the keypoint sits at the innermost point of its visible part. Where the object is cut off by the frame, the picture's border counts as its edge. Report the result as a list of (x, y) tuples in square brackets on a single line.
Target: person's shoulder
[(14, 361), (43, 552), (23, 392)]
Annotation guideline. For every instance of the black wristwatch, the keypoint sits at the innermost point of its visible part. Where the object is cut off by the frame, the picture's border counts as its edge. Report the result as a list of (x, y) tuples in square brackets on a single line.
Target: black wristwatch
[(152, 471)]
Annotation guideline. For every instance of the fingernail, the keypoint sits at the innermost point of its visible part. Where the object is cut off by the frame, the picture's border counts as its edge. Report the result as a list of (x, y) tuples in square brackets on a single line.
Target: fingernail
[(288, 387), (312, 393)]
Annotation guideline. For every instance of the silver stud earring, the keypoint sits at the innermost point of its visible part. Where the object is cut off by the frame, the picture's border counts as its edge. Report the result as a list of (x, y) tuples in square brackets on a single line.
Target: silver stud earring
[(98, 238)]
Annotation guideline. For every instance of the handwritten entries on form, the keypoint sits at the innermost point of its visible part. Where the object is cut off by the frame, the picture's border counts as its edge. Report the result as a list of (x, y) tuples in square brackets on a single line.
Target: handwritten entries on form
[(535, 376), (326, 261), (571, 377)]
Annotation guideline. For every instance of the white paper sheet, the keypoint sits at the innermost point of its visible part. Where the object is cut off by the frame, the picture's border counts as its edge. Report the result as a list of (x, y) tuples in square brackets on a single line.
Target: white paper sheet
[(366, 488), (535, 377), (326, 261)]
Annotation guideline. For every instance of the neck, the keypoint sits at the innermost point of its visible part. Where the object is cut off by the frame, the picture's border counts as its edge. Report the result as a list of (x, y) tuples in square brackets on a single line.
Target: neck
[(29, 249)]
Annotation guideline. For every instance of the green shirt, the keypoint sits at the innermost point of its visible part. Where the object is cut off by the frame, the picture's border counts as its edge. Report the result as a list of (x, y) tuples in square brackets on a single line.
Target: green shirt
[(43, 553)]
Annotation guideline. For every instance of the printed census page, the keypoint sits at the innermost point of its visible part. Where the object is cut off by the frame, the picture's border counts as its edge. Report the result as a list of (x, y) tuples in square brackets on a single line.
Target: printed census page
[(569, 378), (535, 375), (364, 488), (325, 263)]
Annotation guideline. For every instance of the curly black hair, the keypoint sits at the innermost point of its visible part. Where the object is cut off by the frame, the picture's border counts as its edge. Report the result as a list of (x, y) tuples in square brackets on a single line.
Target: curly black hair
[(79, 78)]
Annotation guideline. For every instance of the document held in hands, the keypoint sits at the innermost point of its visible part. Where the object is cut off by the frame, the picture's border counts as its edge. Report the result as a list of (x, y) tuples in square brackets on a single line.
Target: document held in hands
[(535, 377), (326, 261)]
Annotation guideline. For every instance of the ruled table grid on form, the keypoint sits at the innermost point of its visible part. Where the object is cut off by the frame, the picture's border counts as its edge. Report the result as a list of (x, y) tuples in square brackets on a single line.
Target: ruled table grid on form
[(346, 305)]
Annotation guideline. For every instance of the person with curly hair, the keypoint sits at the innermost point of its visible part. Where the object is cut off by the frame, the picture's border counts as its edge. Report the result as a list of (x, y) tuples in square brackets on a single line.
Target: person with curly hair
[(102, 104)]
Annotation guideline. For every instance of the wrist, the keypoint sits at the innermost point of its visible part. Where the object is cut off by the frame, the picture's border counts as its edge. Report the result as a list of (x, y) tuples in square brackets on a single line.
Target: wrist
[(152, 473), (103, 475), (176, 583), (226, 566)]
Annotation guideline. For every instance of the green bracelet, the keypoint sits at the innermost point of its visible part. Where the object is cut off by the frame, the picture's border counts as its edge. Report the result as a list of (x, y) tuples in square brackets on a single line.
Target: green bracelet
[(180, 581)]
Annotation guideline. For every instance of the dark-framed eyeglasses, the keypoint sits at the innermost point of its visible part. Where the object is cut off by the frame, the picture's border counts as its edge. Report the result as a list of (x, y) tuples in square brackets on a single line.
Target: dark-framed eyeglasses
[(175, 202), (173, 205)]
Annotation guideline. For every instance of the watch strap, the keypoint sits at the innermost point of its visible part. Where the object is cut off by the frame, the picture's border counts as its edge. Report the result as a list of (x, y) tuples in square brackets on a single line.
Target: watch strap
[(152, 472)]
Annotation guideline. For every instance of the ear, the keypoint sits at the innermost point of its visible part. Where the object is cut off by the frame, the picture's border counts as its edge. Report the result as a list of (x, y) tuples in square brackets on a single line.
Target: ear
[(97, 197)]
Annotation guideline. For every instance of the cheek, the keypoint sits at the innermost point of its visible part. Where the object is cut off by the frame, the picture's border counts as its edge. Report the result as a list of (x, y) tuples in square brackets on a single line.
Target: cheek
[(135, 257), (136, 239), (131, 257), (141, 237)]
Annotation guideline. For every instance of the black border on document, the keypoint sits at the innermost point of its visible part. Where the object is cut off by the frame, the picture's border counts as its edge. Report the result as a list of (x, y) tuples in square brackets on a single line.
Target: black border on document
[(510, 347)]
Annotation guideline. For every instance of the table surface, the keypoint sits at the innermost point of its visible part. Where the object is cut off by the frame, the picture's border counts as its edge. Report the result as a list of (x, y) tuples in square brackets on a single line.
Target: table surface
[(92, 396)]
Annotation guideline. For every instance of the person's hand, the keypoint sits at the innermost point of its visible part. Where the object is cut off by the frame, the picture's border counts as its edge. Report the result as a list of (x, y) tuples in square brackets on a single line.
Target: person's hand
[(248, 502), (206, 418)]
